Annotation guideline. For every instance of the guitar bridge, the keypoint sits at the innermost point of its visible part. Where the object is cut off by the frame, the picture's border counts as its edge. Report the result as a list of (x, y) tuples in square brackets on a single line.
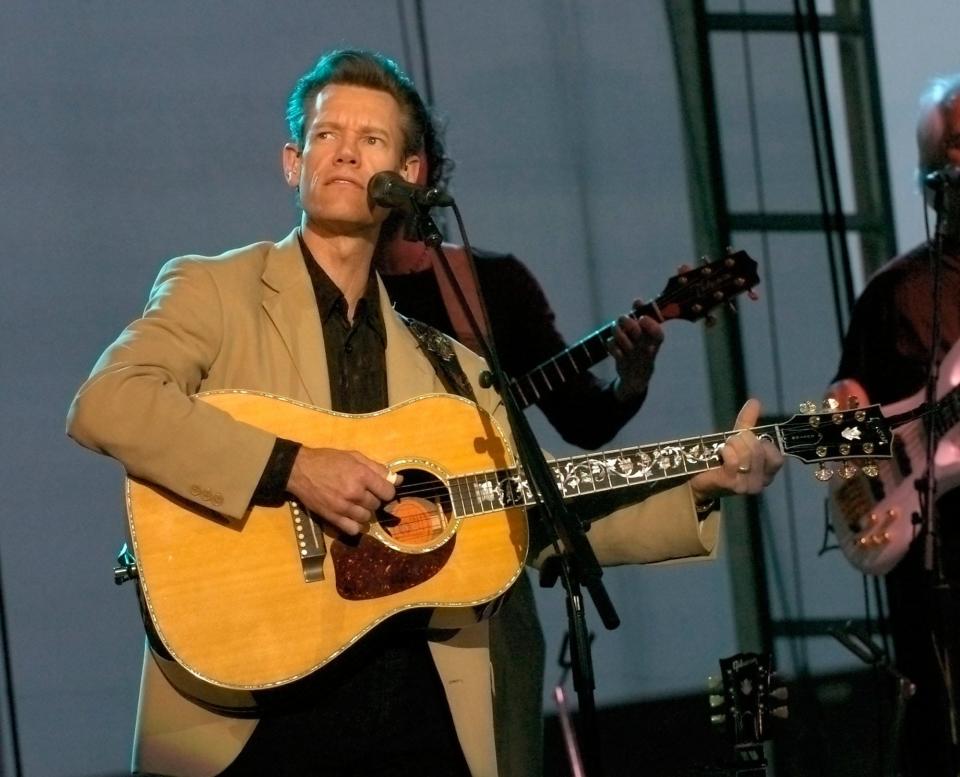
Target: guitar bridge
[(310, 542)]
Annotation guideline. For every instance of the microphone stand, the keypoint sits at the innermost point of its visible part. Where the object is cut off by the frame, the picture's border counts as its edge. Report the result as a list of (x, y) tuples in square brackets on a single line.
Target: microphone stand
[(575, 564), (947, 208), (858, 642)]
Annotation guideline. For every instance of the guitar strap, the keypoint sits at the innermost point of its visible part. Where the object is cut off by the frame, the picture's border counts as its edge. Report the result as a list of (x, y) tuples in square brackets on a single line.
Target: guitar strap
[(460, 264), (437, 348)]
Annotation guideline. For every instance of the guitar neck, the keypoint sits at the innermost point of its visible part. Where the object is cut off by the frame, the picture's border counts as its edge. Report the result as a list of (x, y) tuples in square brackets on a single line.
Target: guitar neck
[(595, 473), (578, 358), (947, 413), (944, 416), (689, 295), (861, 433)]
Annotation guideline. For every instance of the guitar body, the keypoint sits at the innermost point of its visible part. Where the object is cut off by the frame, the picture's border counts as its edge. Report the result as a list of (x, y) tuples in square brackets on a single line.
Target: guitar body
[(266, 600), (261, 602), (875, 519)]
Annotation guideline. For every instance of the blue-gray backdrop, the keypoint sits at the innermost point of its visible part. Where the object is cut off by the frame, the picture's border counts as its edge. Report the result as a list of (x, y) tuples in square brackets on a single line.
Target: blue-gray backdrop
[(135, 131)]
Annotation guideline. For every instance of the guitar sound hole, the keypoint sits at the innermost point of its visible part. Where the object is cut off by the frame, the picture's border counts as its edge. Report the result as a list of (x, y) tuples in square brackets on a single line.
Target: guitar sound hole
[(421, 512)]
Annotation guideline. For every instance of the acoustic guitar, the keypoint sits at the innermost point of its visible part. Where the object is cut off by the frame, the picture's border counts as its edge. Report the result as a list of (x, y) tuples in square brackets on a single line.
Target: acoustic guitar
[(263, 601)]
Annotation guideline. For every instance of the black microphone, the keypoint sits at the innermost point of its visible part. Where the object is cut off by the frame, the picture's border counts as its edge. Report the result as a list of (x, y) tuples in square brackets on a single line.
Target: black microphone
[(948, 177), (389, 190)]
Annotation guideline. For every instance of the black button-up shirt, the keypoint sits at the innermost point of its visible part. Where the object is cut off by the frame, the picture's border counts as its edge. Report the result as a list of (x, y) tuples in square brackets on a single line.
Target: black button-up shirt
[(356, 362), (356, 357)]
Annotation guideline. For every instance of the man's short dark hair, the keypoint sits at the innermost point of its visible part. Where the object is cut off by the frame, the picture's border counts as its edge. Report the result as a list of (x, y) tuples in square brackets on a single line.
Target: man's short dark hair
[(372, 70)]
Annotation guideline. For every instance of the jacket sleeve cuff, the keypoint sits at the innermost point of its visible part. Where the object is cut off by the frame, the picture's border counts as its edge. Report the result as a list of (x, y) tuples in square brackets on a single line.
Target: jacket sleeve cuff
[(271, 489)]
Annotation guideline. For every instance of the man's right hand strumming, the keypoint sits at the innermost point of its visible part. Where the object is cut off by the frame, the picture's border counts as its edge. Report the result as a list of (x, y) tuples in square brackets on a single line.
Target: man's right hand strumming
[(343, 487)]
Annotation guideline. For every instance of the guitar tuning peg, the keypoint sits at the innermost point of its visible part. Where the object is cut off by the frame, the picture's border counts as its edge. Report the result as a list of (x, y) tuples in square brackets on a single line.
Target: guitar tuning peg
[(718, 720), (714, 683), (780, 712), (716, 700), (847, 470), (753, 295), (830, 403), (729, 251), (870, 468), (779, 693), (853, 403), (808, 407), (823, 473)]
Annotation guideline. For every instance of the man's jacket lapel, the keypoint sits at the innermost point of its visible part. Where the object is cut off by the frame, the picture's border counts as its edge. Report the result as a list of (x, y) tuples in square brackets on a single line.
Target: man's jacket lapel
[(290, 303)]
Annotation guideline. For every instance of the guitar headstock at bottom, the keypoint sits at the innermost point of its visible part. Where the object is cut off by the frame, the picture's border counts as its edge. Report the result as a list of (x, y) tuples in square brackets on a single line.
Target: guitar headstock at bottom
[(742, 701)]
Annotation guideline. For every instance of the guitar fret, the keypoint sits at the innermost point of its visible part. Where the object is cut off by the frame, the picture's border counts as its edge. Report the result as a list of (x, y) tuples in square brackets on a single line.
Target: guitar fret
[(518, 393), (584, 346), (456, 495), (599, 346), (469, 485), (578, 475), (485, 492), (573, 362), (546, 379), (558, 375), (533, 387)]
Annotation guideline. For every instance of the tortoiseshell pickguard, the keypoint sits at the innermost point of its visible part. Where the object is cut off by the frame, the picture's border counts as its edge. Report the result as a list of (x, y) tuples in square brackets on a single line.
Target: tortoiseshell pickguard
[(367, 568)]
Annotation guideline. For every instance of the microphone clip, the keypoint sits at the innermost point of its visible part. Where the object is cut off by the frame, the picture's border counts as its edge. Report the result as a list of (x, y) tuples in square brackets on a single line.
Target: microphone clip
[(947, 177)]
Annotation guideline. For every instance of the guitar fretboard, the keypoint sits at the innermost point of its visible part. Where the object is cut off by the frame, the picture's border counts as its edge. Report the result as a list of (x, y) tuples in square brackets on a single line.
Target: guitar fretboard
[(688, 295), (554, 372), (948, 413), (485, 492)]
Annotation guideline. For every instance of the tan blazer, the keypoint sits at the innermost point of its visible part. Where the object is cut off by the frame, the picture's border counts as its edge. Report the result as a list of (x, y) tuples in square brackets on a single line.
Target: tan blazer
[(248, 319)]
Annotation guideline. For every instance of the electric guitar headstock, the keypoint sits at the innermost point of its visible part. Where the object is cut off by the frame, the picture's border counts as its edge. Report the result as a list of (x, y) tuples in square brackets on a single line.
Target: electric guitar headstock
[(693, 293), (744, 698), (835, 435)]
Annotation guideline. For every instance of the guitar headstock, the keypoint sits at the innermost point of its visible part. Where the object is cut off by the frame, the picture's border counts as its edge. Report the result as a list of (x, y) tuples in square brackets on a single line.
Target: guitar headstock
[(692, 294), (818, 435), (743, 698)]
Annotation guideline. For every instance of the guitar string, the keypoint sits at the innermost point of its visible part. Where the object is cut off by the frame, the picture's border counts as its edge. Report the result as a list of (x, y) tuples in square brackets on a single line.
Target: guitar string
[(438, 491)]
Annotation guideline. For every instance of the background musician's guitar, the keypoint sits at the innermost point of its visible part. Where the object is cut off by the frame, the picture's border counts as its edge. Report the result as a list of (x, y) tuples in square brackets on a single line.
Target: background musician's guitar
[(744, 699), (876, 519), (689, 295)]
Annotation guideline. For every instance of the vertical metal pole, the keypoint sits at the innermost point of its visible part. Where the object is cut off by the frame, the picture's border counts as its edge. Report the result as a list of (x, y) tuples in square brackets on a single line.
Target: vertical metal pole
[(711, 224)]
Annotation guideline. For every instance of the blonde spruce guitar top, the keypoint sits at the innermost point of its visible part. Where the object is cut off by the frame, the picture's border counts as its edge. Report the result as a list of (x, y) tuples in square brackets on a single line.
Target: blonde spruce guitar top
[(266, 600), (261, 602)]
